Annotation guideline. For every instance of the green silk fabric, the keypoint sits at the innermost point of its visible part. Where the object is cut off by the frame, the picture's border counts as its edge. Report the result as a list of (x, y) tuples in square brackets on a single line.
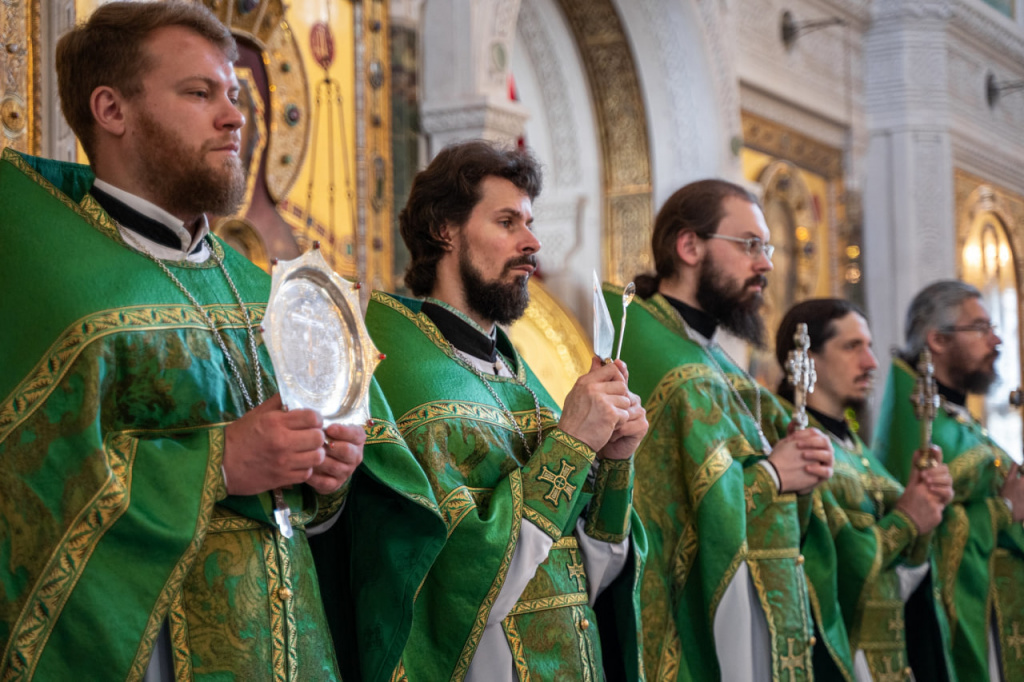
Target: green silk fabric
[(979, 551), (467, 483), (707, 506), (872, 539), (113, 513)]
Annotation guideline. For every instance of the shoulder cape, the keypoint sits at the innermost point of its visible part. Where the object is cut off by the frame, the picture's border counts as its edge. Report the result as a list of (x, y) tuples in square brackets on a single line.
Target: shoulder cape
[(113, 398)]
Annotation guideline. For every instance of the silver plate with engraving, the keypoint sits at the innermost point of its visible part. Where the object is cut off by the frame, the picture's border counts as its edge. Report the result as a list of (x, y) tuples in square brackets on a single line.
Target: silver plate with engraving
[(323, 356)]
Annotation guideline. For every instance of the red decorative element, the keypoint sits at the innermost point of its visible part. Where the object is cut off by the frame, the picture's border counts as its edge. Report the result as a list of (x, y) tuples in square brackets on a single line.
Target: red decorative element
[(357, 285), (382, 357), (316, 244), (273, 262), (321, 44)]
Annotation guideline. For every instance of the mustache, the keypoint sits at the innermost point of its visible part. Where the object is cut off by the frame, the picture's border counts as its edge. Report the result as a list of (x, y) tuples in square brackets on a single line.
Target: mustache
[(866, 376), (529, 259), (757, 280)]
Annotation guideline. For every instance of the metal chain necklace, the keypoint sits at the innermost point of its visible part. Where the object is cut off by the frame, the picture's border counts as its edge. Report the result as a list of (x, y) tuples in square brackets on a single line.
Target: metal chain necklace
[(725, 377), (494, 394), (251, 332)]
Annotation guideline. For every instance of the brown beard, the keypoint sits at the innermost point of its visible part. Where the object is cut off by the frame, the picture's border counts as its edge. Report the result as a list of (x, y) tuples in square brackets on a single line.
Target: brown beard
[(503, 303), (179, 178), (731, 308)]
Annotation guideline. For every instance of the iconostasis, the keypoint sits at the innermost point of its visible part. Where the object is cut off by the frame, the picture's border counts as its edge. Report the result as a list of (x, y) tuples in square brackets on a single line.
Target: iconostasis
[(316, 96), (988, 249), (812, 221)]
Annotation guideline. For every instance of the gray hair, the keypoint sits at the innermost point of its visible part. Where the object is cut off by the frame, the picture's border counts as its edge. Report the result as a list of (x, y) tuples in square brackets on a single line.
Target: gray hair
[(935, 307)]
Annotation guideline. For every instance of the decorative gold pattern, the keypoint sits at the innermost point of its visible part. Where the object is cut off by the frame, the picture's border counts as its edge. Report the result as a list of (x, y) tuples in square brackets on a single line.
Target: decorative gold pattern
[(469, 648), (50, 593), (469, 411), (178, 627), (47, 373), (715, 465), (790, 662), (19, 58), (1016, 640), (455, 506), (559, 482), (375, 255), (622, 121), (542, 522), (785, 143), (277, 634), (586, 646), (431, 331), (515, 642), (546, 603), (170, 597), (576, 571), (974, 195)]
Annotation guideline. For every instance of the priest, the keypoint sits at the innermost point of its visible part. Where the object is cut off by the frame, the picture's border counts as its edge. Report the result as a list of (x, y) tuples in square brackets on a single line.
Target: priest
[(518, 540), (140, 432), (882, 532), (979, 545), (722, 486)]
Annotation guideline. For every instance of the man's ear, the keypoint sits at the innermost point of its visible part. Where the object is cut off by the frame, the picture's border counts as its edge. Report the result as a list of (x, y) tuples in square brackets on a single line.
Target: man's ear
[(937, 342), (689, 247), (107, 105), (445, 234)]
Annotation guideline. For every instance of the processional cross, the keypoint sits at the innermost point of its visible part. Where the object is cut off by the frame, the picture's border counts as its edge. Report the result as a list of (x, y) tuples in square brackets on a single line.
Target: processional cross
[(926, 405), (801, 374)]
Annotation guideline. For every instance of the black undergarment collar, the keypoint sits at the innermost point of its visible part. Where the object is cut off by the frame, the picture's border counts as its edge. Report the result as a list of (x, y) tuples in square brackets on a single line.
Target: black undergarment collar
[(700, 321), (126, 216), (461, 334)]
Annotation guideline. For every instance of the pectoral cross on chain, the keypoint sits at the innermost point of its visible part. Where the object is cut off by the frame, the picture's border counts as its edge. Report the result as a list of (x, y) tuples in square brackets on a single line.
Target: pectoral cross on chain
[(926, 405), (801, 374)]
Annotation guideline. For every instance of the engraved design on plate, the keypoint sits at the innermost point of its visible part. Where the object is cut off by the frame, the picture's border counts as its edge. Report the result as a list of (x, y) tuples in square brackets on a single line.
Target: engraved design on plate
[(315, 347)]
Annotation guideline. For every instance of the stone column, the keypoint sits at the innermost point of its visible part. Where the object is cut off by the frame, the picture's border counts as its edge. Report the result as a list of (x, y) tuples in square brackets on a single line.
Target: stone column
[(467, 47), (909, 230)]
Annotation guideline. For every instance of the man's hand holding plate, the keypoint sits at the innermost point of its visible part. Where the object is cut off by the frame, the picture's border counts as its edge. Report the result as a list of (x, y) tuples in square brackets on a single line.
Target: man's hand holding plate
[(344, 445), (272, 448)]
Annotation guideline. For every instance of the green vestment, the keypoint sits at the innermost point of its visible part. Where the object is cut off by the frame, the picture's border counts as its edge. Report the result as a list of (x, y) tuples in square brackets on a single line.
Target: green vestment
[(466, 484), (979, 550), (872, 538), (708, 506), (115, 517)]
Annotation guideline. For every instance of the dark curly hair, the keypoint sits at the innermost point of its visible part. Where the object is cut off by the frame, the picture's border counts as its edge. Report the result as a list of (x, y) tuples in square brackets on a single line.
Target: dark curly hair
[(446, 192)]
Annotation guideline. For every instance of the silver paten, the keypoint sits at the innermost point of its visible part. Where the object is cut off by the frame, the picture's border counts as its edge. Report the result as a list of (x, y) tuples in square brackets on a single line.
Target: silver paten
[(314, 331)]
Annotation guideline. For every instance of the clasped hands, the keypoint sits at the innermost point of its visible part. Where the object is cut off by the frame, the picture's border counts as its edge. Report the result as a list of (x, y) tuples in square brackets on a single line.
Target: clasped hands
[(270, 447), (929, 489), (601, 411)]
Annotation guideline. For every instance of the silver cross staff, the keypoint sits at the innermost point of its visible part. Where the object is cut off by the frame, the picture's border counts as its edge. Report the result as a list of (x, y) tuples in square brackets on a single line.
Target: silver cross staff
[(926, 405), (801, 374)]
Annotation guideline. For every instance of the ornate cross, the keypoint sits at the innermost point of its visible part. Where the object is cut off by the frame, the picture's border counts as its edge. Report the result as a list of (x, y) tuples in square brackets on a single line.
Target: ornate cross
[(1016, 640), (926, 405), (559, 482), (576, 570), (801, 374), (890, 675), (791, 662), (749, 492), (897, 626)]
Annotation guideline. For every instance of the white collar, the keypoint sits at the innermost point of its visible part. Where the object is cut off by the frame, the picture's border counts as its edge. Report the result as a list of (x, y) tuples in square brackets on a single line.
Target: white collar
[(151, 210)]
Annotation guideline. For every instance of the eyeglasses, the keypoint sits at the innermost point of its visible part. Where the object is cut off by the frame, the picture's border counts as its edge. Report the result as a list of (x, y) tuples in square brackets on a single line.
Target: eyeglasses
[(752, 246), (982, 328)]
